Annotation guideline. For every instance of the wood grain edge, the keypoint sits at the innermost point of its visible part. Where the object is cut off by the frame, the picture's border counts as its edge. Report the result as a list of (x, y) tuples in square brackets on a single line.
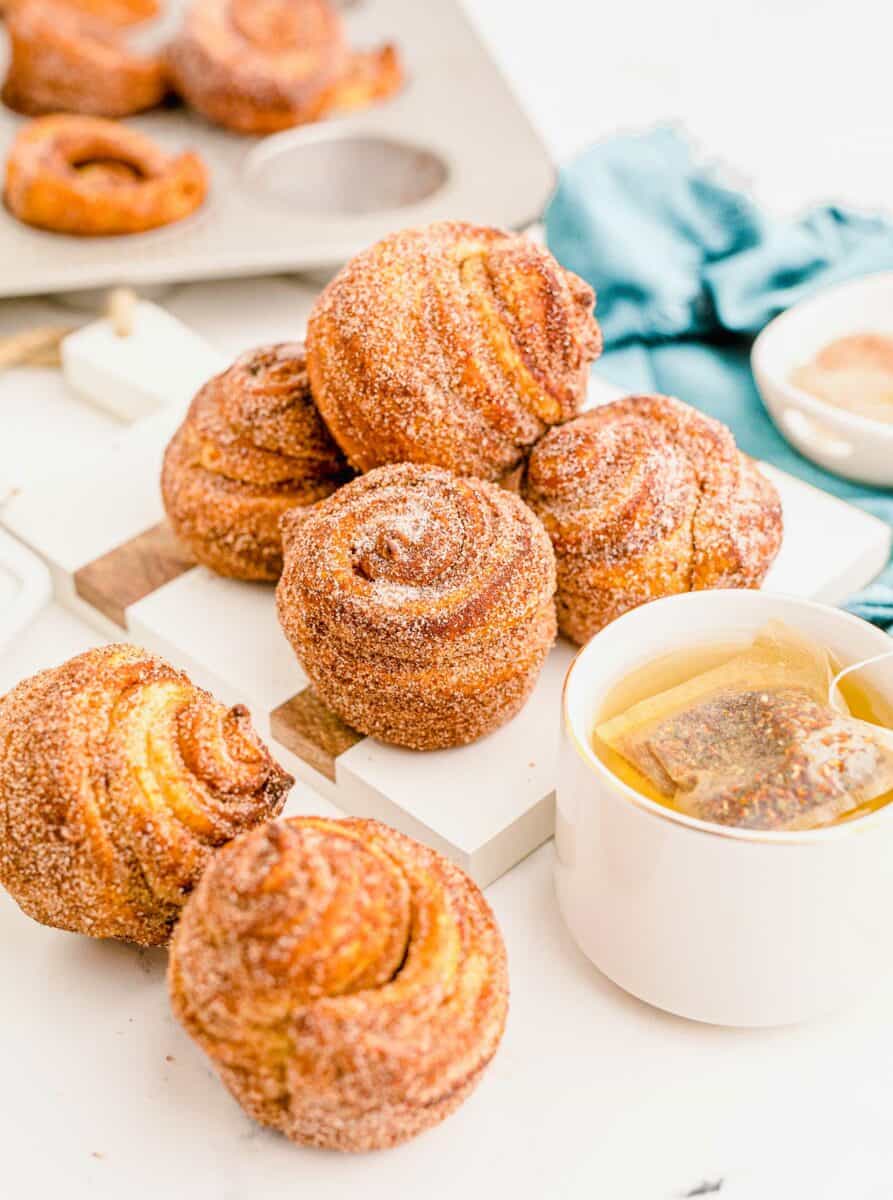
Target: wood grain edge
[(132, 571), (311, 731)]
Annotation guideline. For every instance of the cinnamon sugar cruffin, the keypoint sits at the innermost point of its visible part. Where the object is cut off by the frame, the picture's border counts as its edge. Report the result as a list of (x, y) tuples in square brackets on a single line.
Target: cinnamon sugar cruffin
[(258, 66), (251, 447), (110, 12), (65, 60), (419, 604), (453, 344), (91, 177), (646, 497), (119, 778), (349, 985)]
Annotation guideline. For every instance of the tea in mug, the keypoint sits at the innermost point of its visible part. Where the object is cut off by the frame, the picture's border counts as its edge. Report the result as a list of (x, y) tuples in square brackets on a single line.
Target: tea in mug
[(748, 736)]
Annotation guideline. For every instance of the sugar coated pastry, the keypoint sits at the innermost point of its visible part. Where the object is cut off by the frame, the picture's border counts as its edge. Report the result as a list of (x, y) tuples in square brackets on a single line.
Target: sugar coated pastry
[(258, 66), (90, 177), (62, 59), (251, 447), (109, 12), (119, 778), (349, 985), (643, 498), (419, 604), (453, 344)]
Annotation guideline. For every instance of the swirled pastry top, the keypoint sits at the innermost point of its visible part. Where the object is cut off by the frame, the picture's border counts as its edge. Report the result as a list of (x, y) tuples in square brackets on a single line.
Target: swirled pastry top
[(258, 66), (453, 344), (256, 423), (251, 447), (118, 780), (266, 46), (627, 476), (350, 984), (91, 177), (413, 559)]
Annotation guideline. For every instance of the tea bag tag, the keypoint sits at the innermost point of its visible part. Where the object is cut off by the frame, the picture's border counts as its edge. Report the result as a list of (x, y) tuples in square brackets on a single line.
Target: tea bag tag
[(834, 687)]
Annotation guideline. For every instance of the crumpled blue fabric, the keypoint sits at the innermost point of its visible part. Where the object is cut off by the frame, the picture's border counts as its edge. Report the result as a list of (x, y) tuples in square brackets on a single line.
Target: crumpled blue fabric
[(688, 270)]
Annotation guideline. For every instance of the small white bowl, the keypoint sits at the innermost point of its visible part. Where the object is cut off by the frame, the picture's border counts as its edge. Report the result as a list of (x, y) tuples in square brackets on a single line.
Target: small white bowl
[(845, 443), (719, 924)]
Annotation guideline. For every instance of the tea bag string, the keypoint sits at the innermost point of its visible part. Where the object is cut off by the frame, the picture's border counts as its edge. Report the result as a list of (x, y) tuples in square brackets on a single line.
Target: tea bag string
[(834, 687)]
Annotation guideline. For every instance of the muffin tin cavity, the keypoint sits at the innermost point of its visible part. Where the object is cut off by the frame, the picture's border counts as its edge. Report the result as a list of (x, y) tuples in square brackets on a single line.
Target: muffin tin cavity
[(310, 198), (343, 174)]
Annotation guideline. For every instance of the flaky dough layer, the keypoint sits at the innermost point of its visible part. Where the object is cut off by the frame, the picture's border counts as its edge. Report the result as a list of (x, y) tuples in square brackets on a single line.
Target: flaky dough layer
[(452, 344), (647, 497), (419, 604), (251, 447), (349, 985), (119, 778)]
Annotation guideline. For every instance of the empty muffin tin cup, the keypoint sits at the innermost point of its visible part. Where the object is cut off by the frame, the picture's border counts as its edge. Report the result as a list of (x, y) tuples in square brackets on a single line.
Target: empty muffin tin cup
[(343, 173), (721, 924)]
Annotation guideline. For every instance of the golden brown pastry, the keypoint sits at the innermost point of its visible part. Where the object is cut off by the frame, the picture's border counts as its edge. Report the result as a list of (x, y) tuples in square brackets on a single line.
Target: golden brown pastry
[(118, 780), (251, 447), (369, 77), (453, 344), (419, 604), (61, 60), (258, 66), (91, 177), (110, 12), (349, 985), (647, 497)]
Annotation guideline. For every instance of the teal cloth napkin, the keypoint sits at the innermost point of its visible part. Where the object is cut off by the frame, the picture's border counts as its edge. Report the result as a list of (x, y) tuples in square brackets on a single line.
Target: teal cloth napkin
[(688, 271)]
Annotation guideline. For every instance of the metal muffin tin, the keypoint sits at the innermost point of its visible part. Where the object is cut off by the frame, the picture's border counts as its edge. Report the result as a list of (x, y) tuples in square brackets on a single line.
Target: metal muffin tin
[(454, 143)]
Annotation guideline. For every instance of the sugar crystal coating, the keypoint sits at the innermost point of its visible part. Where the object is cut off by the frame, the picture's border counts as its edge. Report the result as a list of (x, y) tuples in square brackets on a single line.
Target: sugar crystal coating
[(646, 497), (349, 984), (453, 344), (119, 778), (419, 604), (251, 447)]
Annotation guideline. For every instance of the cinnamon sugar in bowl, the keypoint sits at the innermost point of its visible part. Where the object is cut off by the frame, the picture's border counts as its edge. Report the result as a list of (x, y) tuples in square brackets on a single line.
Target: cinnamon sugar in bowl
[(844, 439)]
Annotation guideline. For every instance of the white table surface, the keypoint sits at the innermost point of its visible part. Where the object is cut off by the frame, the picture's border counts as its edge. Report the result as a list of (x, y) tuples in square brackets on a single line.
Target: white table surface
[(592, 1094)]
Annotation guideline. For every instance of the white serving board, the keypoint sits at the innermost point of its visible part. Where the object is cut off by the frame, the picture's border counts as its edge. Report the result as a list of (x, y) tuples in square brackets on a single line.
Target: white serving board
[(314, 196), (486, 805), (133, 373), (24, 587)]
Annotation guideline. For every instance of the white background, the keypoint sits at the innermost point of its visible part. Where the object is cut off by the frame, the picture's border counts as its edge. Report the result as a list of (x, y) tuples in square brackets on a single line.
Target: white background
[(592, 1095)]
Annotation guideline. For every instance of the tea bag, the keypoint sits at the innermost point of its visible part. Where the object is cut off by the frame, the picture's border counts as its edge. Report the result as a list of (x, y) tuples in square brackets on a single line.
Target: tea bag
[(755, 742)]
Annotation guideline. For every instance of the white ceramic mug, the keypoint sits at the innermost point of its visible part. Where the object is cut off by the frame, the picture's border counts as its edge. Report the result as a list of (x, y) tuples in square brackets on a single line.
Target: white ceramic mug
[(719, 924)]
